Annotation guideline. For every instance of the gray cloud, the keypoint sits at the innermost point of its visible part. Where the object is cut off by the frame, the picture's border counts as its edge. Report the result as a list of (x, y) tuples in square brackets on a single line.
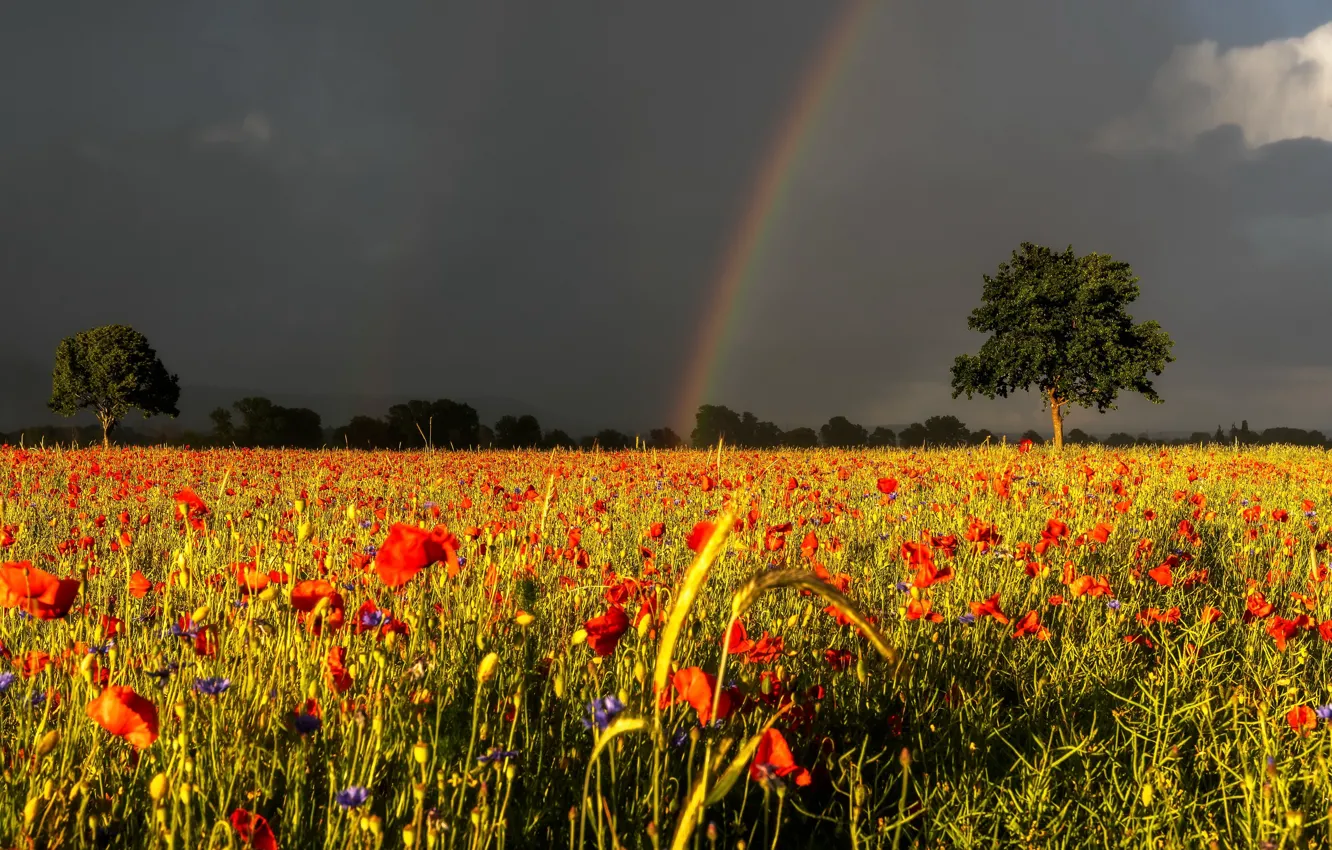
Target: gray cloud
[(529, 201)]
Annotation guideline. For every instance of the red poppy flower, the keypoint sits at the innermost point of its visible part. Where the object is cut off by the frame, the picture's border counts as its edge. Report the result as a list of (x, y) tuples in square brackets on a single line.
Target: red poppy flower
[(36, 591), (122, 712), (253, 830), (1302, 719), (989, 608), (604, 632), (1101, 533), (1031, 625), (695, 687), (407, 550), (737, 640), (1210, 615), (699, 537), (189, 505), (656, 530), (773, 758), (139, 585), (335, 671), (769, 648)]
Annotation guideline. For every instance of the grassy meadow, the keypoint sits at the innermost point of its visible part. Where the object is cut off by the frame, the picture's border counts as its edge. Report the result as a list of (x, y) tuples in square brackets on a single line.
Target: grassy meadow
[(838, 648)]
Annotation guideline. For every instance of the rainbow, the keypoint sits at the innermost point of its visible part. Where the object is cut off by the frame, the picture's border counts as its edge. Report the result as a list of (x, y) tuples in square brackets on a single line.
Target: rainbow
[(765, 200)]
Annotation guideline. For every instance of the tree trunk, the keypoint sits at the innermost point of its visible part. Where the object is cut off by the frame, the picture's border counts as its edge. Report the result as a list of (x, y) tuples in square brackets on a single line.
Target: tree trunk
[(107, 423), (1057, 420)]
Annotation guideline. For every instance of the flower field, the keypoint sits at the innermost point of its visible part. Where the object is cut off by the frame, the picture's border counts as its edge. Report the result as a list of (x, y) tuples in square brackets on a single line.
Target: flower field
[(1003, 646)]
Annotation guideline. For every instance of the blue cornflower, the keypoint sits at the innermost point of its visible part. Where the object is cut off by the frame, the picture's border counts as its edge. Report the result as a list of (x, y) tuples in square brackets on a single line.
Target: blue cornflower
[(428, 505), (680, 738), (365, 523), (497, 755), (462, 561), (213, 686), (903, 587), (892, 497), (1113, 604), (1244, 502), (967, 619), (372, 618), (1311, 514), (371, 550), (602, 711), (352, 796), (103, 649), (38, 699), (6, 680), (191, 629), (1324, 712), (165, 673), (306, 724)]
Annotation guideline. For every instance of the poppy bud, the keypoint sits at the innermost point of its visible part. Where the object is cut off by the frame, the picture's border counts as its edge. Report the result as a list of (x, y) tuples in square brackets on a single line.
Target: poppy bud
[(640, 672), (48, 742), (486, 670), (421, 752), (268, 594), (158, 787), (524, 619), (905, 758), (303, 531), (1146, 793), (200, 614), (578, 637), (408, 836), (30, 810), (299, 506), (559, 685)]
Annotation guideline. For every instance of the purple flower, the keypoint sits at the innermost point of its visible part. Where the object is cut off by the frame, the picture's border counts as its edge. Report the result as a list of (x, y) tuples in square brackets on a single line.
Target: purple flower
[(497, 755), (352, 796), (213, 687), (1113, 604), (373, 618), (1324, 712), (967, 619), (903, 587), (602, 711), (306, 724), (6, 679)]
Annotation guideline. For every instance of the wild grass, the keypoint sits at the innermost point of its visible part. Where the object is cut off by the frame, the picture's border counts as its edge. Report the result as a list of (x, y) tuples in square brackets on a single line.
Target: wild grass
[(1125, 723)]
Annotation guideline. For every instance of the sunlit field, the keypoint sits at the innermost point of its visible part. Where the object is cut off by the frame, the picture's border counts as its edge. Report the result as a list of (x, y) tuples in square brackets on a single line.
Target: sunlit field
[(979, 647)]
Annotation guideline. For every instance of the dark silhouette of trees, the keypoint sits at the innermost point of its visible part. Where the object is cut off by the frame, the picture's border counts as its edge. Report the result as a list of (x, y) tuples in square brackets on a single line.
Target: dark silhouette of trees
[(1058, 323), (1078, 437), (715, 422), (842, 433), (558, 439), (111, 370), (521, 432), (664, 438), (268, 425), (608, 439), (442, 422), (881, 437), (800, 438), (366, 432), (937, 431)]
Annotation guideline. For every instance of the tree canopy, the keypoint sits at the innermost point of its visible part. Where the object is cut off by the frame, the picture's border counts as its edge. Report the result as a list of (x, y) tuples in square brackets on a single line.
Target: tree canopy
[(111, 370), (1058, 324)]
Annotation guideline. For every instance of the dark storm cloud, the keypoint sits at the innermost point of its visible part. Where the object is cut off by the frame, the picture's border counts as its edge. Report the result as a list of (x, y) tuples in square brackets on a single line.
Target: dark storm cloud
[(529, 201)]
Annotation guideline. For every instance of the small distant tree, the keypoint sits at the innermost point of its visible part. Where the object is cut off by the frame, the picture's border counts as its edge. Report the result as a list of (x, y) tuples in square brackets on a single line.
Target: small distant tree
[(1058, 323), (664, 438), (558, 439), (111, 370), (517, 432), (1078, 437), (611, 440), (800, 438), (224, 431), (842, 432), (714, 422), (882, 436)]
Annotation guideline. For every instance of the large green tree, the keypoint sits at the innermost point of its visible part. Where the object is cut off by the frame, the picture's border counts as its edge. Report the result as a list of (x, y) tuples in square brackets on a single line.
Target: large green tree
[(111, 370), (1058, 324)]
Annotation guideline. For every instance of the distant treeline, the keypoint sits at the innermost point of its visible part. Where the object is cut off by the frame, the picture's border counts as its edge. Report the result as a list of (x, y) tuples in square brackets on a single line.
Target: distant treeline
[(257, 422)]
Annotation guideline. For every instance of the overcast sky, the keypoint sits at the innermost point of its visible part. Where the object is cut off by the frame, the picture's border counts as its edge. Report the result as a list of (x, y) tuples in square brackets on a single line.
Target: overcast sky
[(531, 200)]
